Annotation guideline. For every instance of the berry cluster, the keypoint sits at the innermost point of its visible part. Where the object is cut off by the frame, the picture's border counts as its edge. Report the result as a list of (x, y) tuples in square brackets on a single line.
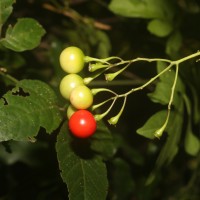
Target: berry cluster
[(82, 123)]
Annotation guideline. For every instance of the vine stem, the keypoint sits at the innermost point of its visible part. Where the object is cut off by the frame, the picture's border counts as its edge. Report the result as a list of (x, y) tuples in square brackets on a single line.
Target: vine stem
[(171, 63)]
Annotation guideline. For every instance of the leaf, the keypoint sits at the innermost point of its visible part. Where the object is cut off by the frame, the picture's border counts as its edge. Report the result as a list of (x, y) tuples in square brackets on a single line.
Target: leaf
[(122, 191), (143, 9), (104, 45), (155, 122), (102, 141), (25, 35), (84, 174), (30, 105), (5, 10), (192, 142), (163, 89), (174, 130), (173, 44), (168, 77), (162, 94), (160, 28)]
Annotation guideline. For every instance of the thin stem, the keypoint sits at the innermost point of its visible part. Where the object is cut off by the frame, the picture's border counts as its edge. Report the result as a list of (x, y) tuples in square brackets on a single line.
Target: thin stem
[(115, 119), (97, 90), (173, 87), (4, 74), (188, 57), (148, 82), (100, 116)]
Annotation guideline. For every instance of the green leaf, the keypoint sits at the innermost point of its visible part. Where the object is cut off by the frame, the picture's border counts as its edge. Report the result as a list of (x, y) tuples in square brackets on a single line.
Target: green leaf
[(102, 141), (162, 94), (143, 9), (104, 45), (155, 122), (192, 142), (173, 44), (5, 10), (174, 130), (84, 174), (160, 28), (122, 191), (168, 77), (25, 35), (30, 105), (163, 90)]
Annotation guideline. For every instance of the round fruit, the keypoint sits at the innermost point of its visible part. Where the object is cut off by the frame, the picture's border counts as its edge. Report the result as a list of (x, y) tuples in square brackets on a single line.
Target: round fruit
[(81, 97), (70, 111), (68, 83), (72, 59), (82, 124)]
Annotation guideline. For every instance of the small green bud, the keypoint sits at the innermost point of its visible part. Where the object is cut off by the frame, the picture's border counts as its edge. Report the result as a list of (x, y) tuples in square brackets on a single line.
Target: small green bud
[(113, 120), (98, 117), (110, 76)]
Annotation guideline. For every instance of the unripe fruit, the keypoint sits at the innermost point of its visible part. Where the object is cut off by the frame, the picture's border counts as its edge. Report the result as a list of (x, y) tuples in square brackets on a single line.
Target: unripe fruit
[(81, 97), (70, 111), (72, 59), (68, 83)]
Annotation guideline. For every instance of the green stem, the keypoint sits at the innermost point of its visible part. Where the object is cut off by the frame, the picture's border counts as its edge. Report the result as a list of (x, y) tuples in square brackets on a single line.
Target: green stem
[(148, 82), (159, 132), (4, 74)]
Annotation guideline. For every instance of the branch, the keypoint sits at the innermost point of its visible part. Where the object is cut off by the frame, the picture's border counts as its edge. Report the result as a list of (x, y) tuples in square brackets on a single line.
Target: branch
[(76, 16)]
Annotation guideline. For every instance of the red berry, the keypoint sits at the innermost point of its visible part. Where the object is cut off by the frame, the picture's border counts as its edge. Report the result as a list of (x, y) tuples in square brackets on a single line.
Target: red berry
[(82, 124)]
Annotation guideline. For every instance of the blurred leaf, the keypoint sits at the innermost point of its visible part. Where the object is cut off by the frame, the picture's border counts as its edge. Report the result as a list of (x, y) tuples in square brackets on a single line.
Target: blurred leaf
[(104, 45), (192, 142), (85, 175), (25, 35), (160, 28), (173, 44), (5, 10), (195, 104), (143, 9), (168, 77), (22, 151), (30, 105), (155, 122), (102, 141), (122, 183), (92, 41), (134, 155), (53, 55)]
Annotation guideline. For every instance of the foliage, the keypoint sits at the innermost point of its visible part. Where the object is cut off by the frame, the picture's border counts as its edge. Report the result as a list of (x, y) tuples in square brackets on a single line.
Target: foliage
[(146, 100)]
